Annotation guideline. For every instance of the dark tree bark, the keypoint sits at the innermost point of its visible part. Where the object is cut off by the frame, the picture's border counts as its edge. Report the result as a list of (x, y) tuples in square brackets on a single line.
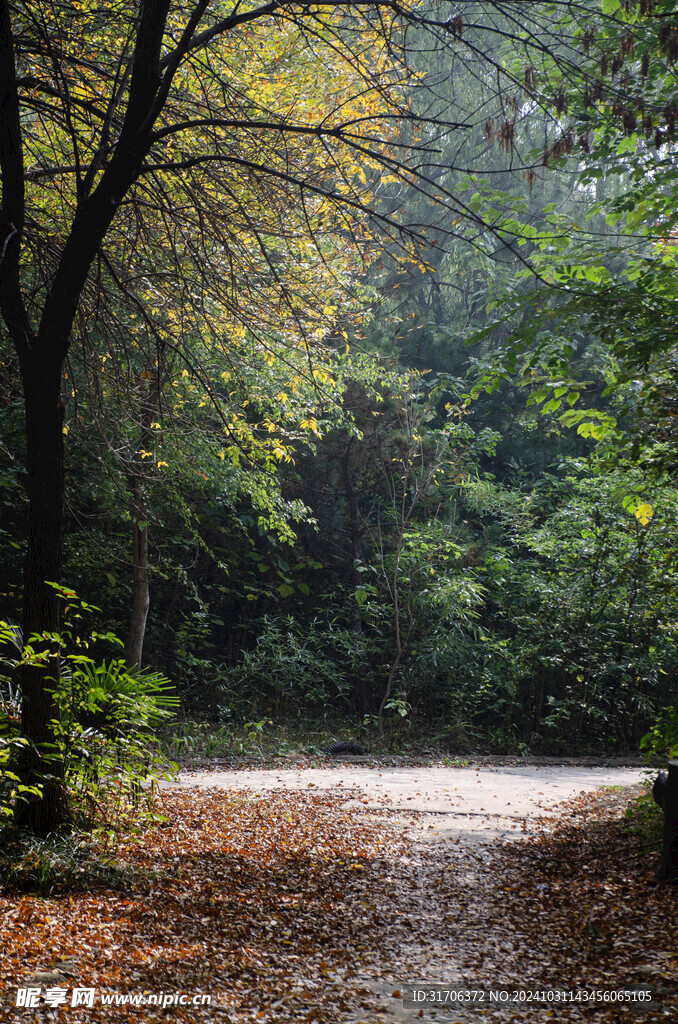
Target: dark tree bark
[(665, 792), (41, 357), (44, 420), (41, 379)]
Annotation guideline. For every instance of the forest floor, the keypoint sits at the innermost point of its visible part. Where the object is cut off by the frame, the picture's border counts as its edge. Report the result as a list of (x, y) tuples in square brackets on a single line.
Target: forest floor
[(311, 904)]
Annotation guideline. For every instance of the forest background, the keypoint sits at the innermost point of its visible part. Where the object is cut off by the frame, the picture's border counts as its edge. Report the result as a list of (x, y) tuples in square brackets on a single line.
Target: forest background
[(371, 431)]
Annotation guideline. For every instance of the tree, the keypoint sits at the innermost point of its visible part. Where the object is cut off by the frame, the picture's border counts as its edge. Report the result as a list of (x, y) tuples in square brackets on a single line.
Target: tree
[(616, 283), (609, 292), (116, 113), (222, 158)]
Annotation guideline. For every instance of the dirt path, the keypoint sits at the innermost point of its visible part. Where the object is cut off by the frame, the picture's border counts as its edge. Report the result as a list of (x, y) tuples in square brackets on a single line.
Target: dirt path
[(475, 804), (440, 896)]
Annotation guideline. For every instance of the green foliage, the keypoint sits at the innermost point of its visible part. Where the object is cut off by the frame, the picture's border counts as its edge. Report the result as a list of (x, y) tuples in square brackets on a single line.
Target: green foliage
[(112, 700), (662, 739), (108, 715), (328, 531), (198, 740), (294, 670), (578, 596), (194, 742), (12, 744), (597, 352), (646, 820), (11, 787)]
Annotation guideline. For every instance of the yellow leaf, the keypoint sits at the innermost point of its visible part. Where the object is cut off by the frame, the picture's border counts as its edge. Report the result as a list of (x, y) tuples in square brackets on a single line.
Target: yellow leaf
[(310, 424), (644, 513)]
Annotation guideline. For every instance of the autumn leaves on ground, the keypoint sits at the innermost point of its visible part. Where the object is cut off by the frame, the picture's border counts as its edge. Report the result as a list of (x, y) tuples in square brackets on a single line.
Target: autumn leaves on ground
[(289, 907)]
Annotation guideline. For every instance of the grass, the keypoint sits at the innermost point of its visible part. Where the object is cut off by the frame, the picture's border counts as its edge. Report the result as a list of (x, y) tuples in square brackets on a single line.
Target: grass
[(56, 864), (192, 740)]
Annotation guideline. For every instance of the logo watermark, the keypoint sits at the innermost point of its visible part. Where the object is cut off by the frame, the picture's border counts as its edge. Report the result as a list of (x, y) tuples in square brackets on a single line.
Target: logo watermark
[(55, 996)]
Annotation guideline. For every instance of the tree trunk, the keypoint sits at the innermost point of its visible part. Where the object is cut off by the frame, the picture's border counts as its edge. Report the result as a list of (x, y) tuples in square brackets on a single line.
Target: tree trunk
[(140, 592), (355, 533), (41, 603), (400, 644), (41, 355), (139, 515), (665, 792)]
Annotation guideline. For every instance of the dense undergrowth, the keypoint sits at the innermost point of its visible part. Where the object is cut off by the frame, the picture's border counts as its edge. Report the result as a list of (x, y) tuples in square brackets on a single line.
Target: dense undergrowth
[(189, 740)]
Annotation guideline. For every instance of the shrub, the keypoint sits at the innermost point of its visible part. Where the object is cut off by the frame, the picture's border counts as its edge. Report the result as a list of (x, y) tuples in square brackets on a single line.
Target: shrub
[(107, 717)]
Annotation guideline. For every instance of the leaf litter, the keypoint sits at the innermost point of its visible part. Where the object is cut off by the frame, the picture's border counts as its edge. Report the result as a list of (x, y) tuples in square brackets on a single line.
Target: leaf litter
[(290, 906), (570, 906)]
